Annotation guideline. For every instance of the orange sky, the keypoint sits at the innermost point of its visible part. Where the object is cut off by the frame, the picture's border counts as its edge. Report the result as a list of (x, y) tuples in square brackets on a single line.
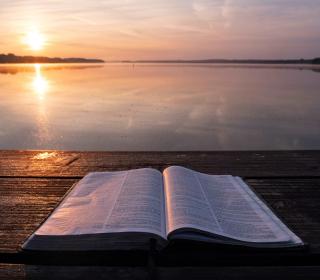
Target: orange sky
[(164, 29)]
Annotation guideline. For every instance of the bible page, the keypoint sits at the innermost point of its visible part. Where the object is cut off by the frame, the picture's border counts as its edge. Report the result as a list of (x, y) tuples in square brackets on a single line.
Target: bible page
[(186, 205), (217, 204), (105, 202)]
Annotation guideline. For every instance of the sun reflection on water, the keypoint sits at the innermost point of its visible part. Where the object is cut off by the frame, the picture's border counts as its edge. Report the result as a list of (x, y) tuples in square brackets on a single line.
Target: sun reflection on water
[(40, 87), (40, 84)]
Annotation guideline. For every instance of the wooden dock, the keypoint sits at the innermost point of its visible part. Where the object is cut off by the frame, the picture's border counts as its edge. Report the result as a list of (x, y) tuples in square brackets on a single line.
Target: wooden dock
[(33, 182)]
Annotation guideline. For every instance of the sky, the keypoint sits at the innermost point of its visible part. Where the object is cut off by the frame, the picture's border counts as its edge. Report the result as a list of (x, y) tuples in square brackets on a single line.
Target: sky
[(163, 29)]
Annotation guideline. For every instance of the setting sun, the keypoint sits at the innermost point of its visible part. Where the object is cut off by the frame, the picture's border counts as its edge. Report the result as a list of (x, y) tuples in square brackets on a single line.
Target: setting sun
[(34, 40)]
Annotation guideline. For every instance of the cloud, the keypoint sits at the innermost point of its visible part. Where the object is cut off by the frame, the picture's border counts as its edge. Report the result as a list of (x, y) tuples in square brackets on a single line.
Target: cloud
[(214, 13)]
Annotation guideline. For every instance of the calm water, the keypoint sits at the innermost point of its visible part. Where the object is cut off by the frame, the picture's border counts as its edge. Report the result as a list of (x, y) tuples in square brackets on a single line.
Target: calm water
[(159, 107)]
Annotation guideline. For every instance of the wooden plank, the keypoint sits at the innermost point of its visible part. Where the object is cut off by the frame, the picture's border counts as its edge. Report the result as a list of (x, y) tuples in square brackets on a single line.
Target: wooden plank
[(12, 271), (235, 273), (18, 272), (77, 164), (24, 204)]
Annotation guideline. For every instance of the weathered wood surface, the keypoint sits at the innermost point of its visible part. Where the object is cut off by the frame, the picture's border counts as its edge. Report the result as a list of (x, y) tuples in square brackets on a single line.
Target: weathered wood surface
[(77, 164), (19, 272), (24, 203), (33, 182)]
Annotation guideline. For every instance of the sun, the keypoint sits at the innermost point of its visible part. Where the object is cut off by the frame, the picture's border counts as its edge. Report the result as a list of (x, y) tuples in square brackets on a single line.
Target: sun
[(34, 40)]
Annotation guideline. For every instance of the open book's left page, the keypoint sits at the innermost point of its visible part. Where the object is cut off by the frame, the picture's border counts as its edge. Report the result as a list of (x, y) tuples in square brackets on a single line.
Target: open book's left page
[(105, 203)]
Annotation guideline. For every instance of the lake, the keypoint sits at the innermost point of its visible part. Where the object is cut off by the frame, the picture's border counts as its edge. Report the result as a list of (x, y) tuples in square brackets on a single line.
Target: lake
[(148, 107)]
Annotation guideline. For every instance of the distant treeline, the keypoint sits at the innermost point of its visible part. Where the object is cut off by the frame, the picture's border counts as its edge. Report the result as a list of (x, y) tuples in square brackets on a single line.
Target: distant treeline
[(11, 58), (233, 61)]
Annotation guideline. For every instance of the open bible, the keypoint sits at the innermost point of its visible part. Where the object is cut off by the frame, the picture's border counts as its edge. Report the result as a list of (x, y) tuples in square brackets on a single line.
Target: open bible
[(123, 210)]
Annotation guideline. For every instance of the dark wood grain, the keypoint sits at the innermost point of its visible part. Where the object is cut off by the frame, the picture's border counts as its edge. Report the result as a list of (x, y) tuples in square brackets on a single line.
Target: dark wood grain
[(77, 164), (24, 204), (32, 272)]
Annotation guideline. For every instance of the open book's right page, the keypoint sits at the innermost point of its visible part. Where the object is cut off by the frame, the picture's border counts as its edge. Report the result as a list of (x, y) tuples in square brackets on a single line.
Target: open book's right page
[(221, 205)]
